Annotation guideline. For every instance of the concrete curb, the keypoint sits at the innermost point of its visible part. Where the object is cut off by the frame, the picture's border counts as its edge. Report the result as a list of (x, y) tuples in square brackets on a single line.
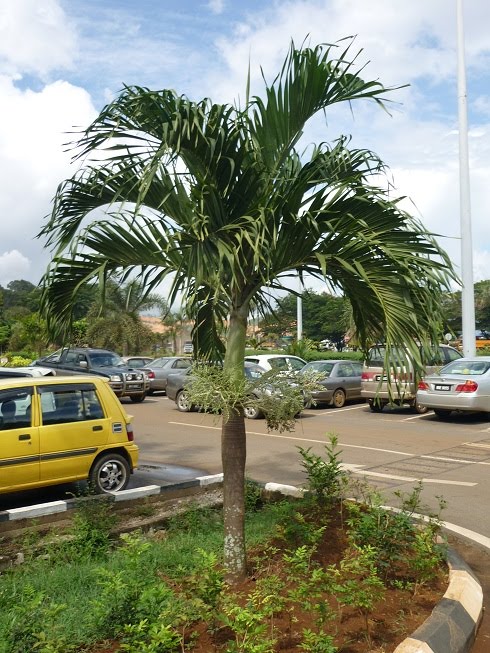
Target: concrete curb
[(451, 628), (44, 509)]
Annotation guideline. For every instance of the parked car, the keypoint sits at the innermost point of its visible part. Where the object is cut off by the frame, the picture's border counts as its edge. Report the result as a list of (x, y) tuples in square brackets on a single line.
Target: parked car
[(160, 368), (60, 429), (462, 385), (402, 379), (125, 381), (341, 381), (10, 372), (136, 361), (188, 347), (177, 382), (277, 362)]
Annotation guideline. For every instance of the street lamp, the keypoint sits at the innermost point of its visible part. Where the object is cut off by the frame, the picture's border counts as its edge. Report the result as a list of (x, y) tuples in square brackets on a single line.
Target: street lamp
[(467, 290)]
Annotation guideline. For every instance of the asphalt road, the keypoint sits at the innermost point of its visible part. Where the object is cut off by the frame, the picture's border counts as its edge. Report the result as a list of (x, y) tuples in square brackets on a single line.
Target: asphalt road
[(392, 450)]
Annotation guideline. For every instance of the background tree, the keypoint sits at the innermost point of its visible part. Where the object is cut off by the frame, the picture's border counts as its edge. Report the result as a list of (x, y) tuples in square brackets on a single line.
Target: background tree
[(30, 333), (482, 305), (228, 201), (115, 318)]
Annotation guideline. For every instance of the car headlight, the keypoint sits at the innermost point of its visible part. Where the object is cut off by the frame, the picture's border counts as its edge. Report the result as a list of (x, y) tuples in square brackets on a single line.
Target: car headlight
[(116, 377)]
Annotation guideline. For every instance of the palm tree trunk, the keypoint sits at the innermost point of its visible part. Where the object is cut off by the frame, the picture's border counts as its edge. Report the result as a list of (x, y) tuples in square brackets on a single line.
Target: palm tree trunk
[(233, 456)]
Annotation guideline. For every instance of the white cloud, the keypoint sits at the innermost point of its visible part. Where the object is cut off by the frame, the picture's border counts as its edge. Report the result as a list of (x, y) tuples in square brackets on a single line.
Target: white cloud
[(35, 37), (13, 266), (33, 161), (216, 6), (59, 59)]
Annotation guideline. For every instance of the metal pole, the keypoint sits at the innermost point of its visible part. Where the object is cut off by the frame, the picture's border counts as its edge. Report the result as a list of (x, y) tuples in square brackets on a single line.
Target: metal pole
[(467, 290), (299, 311)]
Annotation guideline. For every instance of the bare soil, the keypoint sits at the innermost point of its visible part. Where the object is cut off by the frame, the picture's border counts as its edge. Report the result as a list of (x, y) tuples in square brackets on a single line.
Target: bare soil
[(393, 618)]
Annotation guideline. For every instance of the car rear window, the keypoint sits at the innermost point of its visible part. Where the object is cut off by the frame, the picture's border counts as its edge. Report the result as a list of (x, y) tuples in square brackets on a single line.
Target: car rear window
[(466, 367), (376, 356), (324, 368)]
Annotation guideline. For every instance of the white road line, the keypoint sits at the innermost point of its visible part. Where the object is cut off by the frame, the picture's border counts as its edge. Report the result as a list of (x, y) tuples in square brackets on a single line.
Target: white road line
[(334, 411), (355, 446), (408, 479), (291, 437), (413, 479), (481, 445), (408, 419), (456, 460)]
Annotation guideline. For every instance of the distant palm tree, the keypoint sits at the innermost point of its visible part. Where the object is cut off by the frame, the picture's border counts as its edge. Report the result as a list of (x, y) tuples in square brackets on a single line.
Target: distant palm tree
[(223, 199), (115, 318)]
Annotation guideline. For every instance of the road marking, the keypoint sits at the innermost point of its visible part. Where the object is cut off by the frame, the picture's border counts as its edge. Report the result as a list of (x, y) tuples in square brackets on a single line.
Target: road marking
[(334, 411), (455, 460), (413, 479), (408, 419), (291, 437), (481, 445), (356, 446)]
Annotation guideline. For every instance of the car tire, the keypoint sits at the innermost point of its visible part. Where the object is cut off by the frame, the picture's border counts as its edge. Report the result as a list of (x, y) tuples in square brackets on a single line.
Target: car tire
[(419, 409), (137, 399), (442, 412), (252, 412), (109, 473), (182, 402), (338, 398)]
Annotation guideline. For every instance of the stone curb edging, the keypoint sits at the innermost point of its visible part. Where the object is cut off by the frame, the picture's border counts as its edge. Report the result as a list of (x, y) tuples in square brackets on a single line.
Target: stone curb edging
[(43, 509), (451, 628)]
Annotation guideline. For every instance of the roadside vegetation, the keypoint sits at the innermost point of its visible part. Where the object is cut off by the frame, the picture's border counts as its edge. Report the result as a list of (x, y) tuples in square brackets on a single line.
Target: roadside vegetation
[(23, 333), (325, 574)]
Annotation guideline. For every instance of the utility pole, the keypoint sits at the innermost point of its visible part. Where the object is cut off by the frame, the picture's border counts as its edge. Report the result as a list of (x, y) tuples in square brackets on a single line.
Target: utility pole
[(467, 290)]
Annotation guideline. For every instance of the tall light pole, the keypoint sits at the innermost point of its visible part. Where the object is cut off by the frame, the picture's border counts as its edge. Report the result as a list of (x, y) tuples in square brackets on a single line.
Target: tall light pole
[(467, 290), (299, 310)]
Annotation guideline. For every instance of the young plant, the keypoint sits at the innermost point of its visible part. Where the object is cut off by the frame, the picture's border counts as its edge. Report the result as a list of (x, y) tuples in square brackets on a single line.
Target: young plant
[(318, 642), (326, 478)]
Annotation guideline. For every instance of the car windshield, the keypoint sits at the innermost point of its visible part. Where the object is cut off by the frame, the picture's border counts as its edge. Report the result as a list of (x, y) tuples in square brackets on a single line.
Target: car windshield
[(465, 367), (107, 359), (376, 356), (159, 362), (320, 366)]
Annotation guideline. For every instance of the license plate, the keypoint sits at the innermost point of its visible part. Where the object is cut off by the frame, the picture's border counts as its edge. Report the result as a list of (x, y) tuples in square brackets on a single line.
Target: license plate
[(440, 386)]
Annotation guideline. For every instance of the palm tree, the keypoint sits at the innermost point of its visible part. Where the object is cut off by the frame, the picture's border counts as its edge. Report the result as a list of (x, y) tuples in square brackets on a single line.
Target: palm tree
[(114, 319), (223, 199)]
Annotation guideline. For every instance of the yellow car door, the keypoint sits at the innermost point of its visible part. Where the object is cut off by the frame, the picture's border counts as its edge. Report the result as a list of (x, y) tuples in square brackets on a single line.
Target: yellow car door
[(74, 429), (19, 440)]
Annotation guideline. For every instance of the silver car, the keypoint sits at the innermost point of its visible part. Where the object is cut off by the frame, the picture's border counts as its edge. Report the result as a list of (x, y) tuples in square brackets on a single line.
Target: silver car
[(159, 370), (341, 381), (463, 385)]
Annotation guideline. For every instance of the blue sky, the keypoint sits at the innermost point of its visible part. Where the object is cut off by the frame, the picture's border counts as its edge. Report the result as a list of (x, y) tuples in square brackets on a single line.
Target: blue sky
[(62, 60)]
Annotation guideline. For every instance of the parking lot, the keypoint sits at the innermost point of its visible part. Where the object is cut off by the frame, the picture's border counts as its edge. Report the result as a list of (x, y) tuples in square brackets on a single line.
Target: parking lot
[(391, 450)]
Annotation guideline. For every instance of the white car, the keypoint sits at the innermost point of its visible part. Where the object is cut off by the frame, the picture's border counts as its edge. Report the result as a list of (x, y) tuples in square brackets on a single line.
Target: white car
[(279, 362), (11, 372)]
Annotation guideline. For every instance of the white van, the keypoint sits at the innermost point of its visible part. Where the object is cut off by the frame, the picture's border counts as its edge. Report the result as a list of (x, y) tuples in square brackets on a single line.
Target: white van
[(401, 386)]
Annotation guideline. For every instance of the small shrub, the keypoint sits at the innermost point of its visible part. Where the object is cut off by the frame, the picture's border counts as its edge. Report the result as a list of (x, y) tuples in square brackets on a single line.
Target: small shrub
[(325, 478)]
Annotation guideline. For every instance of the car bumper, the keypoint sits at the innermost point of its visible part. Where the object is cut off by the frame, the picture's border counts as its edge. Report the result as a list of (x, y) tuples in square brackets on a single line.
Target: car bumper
[(462, 401)]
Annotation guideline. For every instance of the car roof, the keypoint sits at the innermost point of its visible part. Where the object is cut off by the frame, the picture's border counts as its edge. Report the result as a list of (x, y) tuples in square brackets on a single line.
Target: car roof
[(266, 356), (485, 359), (333, 360), (24, 381), (6, 372)]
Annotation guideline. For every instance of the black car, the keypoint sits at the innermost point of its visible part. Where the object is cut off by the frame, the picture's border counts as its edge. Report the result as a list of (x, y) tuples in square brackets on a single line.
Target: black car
[(125, 381)]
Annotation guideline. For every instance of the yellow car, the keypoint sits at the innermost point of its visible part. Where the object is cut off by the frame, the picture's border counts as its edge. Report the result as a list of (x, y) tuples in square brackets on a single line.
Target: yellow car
[(56, 429)]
